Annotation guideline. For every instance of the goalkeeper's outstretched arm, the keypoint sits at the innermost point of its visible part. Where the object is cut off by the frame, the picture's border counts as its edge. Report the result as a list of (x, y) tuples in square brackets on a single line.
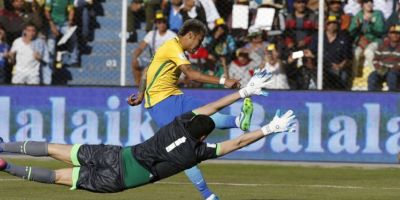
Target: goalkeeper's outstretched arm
[(257, 83), (283, 123)]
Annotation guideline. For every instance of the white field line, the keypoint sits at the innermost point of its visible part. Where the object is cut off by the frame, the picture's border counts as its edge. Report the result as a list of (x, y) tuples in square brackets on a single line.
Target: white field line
[(256, 185), (283, 185)]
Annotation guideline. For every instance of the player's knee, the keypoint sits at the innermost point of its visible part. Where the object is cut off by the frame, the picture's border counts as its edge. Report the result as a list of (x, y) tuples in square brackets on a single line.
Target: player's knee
[(64, 176)]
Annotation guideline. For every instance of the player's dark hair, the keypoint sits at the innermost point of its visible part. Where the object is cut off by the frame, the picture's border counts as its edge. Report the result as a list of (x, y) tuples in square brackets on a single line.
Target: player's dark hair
[(200, 125), (193, 25)]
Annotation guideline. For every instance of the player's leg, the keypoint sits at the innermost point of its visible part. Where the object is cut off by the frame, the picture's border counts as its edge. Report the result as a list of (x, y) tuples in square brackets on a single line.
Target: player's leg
[(31, 148), (29, 173), (60, 152), (67, 176), (196, 177)]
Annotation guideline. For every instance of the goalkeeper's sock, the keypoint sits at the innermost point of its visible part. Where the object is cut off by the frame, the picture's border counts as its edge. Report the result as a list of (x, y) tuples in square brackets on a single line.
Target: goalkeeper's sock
[(31, 148), (224, 121), (195, 176), (31, 173)]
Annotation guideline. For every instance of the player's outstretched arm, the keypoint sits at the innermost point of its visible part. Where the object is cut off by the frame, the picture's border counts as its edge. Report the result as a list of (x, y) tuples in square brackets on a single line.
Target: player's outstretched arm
[(195, 75), (137, 99), (283, 123)]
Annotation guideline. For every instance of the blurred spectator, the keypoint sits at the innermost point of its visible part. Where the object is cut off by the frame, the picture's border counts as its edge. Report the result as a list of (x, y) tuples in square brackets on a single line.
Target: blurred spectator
[(220, 46), (3, 55), (135, 15), (36, 8), (153, 39), (335, 8), (60, 14), (311, 4), (224, 7), (14, 17), (256, 46), (240, 34), (141, 11), (274, 65), (387, 63), (83, 15), (367, 27), (394, 19), (211, 12), (192, 9), (337, 55), (278, 25), (300, 26), (352, 7), (173, 12), (242, 68), (27, 60), (150, 8), (303, 70)]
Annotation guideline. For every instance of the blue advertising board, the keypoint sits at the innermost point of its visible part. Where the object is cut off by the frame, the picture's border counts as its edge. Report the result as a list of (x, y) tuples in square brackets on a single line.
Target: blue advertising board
[(332, 126)]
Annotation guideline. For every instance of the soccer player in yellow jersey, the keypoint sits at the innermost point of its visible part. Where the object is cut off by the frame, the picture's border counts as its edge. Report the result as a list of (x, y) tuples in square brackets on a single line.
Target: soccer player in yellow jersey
[(165, 101)]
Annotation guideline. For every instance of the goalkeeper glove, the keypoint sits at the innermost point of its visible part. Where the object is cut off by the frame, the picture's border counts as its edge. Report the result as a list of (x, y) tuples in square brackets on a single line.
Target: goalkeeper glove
[(256, 83), (280, 124)]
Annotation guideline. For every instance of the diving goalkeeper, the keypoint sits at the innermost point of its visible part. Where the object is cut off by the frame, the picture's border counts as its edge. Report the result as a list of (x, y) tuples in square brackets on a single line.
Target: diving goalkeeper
[(177, 146)]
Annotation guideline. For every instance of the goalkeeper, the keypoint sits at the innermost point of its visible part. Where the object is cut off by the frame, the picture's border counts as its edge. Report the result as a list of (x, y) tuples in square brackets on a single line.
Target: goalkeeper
[(176, 147)]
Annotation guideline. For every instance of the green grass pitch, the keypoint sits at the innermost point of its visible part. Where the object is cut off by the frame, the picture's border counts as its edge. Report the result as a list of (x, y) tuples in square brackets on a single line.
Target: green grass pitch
[(231, 182)]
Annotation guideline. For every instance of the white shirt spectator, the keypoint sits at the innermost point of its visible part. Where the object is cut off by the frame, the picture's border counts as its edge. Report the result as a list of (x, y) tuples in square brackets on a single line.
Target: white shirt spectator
[(26, 69), (242, 72), (159, 39), (386, 6), (278, 79)]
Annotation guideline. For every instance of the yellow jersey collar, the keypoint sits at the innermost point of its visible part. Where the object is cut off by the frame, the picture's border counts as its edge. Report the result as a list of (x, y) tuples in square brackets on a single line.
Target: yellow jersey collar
[(179, 42)]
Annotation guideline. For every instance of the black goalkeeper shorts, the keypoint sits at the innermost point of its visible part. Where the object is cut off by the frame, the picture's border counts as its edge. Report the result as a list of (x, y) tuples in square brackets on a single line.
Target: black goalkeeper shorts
[(100, 169)]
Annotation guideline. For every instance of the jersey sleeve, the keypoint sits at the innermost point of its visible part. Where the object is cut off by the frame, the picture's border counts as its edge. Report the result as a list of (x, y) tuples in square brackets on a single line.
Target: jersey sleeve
[(176, 55), (206, 151)]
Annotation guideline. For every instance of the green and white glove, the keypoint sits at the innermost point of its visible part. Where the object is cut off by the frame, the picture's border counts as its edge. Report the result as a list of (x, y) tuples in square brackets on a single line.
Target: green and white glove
[(286, 122), (257, 83)]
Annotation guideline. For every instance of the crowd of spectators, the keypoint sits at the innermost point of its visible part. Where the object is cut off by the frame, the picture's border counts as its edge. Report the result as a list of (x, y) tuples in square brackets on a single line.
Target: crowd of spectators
[(30, 34), (361, 41)]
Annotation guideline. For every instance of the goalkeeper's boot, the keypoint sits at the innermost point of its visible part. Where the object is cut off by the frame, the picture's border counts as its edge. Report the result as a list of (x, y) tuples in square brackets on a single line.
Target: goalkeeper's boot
[(246, 114)]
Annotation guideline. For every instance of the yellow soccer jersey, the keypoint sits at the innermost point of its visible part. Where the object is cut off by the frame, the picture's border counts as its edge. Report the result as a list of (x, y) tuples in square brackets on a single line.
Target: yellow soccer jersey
[(163, 72)]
